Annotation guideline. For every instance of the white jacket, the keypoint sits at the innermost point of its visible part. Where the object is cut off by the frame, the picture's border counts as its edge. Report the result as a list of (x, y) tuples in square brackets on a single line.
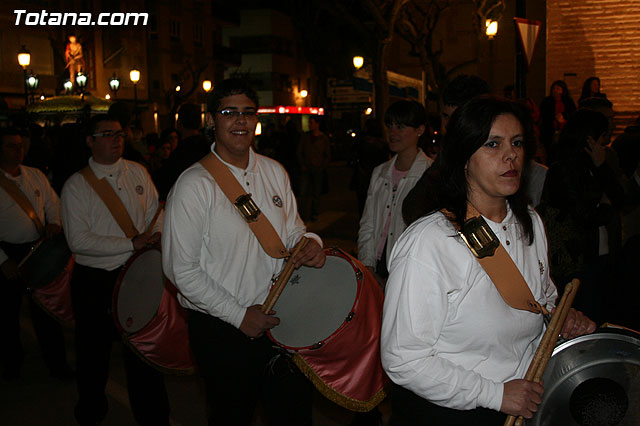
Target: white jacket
[(379, 201)]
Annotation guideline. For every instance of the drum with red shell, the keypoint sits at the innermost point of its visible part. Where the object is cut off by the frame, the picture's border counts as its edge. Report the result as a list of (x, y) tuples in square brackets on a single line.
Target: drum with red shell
[(330, 320), (147, 314)]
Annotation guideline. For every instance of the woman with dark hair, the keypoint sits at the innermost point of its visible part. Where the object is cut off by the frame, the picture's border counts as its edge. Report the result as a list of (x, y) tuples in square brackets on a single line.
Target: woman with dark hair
[(381, 223), (455, 349), (555, 109), (580, 209), (591, 89)]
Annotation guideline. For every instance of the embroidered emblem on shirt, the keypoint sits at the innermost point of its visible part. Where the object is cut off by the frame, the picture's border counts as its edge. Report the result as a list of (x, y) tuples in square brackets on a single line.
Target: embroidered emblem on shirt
[(541, 265), (277, 201), (139, 189), (37, 192)]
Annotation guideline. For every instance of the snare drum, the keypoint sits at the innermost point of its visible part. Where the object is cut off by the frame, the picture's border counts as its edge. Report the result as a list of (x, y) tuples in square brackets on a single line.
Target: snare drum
[(46, 271), (330, 319), (147, 314), (593, 380)]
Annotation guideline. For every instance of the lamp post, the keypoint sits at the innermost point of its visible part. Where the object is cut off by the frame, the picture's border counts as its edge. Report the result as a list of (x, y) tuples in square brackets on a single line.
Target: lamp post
[(358, 62), (134, 75), (207, 86), (32, 82), (81, 81), (491, 30), (114, 84), (68, 86), (24, 59)]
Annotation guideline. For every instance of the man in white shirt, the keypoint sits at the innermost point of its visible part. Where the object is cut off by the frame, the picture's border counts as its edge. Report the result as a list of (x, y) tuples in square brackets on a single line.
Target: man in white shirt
[(223, 274), (18, 233), (101, 248)]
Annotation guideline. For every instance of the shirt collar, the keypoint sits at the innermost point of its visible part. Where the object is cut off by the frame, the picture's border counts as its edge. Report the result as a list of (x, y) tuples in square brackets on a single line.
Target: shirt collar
[(251, 166), (103, 170)]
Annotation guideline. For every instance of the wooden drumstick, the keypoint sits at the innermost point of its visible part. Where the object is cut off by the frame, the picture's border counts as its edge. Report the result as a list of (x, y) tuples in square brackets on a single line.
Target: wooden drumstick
[(154, 220), (33, 250), (545, 349), (283, 278)]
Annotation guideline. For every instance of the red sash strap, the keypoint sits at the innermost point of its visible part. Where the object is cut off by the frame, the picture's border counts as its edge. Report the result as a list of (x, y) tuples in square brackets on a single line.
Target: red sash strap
[(21, 200), (257, 221), (112, 201), (501, 269)]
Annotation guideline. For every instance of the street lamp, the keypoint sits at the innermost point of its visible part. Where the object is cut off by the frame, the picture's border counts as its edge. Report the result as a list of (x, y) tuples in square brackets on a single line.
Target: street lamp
[(114, 84), (24, 59), (207, 86), (81, 80), (68, 86), (358, 62), (134, 75), (32, 82), (304, 93), (491, 28)]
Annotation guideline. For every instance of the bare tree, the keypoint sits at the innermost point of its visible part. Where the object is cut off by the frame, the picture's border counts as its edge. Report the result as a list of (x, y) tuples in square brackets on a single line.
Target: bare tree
[(188, 79)]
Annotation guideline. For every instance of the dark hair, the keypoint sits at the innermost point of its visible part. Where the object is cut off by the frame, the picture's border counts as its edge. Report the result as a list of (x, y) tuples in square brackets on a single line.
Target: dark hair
[(122, 112), (92, 124), (586, 87), (9, 131), (164, 135), (230, 87), (463, 88), (407, 113), (563, 85), (468, 130), (189, 116), (582, 124)]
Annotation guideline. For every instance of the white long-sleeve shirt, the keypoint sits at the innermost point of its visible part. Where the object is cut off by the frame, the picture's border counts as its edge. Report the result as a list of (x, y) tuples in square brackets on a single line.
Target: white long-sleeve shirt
[(92, 233), (208, 250), (382, 202), (15, 226), (447, 334)]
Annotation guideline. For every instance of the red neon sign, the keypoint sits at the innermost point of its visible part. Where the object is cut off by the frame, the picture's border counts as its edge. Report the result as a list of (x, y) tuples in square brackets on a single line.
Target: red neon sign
[(290, 110)]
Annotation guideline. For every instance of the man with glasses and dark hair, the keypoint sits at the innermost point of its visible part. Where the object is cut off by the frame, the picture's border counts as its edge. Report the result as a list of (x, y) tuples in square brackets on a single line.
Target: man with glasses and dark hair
[(101, 248), (223, 273)]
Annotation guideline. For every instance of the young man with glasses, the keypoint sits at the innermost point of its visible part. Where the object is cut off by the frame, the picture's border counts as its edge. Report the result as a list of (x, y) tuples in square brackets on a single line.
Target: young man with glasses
[(223, 273), (101, 248)]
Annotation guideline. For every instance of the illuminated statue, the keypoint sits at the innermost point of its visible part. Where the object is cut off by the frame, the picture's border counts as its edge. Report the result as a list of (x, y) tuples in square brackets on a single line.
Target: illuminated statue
[(73, 57)]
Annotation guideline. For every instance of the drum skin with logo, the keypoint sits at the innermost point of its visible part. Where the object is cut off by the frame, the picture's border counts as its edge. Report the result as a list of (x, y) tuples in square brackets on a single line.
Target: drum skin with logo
[(330, 321), (593, 380), (47, 274), (147, 314)]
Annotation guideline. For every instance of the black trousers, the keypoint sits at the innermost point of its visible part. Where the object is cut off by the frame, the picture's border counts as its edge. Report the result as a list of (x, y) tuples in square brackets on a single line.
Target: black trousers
[(238, 371), (48, 331), (408, 409), (91, 295)]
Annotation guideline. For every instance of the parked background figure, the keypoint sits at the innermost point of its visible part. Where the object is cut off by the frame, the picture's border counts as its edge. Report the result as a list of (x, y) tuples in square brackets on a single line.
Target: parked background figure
[(314, 154), (555, 109)]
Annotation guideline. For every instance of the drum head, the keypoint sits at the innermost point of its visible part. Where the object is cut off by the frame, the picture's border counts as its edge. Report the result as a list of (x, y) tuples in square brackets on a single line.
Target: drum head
[(46, 262), (315, 303), (139, 291), (592, 380)]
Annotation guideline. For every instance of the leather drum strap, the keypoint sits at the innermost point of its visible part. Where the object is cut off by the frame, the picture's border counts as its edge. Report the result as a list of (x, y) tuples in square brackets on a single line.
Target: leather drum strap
[(504, 274), (112, 201), (21, 199), (261, 227)]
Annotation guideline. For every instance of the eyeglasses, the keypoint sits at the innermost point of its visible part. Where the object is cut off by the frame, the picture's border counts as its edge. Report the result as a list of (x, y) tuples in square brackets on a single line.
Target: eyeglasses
[(109, 134), (232, 113)]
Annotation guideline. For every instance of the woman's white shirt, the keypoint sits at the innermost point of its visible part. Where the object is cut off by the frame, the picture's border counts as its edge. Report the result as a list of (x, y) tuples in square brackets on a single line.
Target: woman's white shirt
[(447, 334)]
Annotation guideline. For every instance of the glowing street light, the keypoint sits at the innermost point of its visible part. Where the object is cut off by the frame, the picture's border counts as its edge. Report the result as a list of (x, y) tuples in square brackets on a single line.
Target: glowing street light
[(207, 85), (358, 62), (68, 86), (491, 28), (304, 93), (81, 81), (134, 75), (114, 84), (24, 59)]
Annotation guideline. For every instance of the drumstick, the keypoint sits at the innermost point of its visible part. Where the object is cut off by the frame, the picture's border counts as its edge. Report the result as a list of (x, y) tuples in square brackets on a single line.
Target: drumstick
[(283, 278), (154, 220), (33, 249), (545, 349)]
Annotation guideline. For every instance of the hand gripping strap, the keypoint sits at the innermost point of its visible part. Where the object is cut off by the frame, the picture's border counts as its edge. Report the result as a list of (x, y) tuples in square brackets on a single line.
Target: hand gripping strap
[(501, 269), (22, 200), (257, 221), (112, 201)]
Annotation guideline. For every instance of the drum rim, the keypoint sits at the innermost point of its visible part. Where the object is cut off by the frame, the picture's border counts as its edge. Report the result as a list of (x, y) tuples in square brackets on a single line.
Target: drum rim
[(614, 333), (337, 252), (116, 288)]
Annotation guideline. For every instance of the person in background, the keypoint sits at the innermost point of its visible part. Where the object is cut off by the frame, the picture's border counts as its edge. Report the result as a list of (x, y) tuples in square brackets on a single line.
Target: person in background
[(591, 89), (460, 90), (381, 223), (456, 351), (369, 151), (555, 109), (314, 154)]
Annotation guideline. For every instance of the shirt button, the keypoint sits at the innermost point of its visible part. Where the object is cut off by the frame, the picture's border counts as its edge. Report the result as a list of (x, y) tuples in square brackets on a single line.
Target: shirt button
[(504, 227), (508, 242), (247, 183)]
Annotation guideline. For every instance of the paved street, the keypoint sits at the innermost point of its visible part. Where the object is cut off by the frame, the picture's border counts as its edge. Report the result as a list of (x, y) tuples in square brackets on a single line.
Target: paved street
[(38, 400)]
